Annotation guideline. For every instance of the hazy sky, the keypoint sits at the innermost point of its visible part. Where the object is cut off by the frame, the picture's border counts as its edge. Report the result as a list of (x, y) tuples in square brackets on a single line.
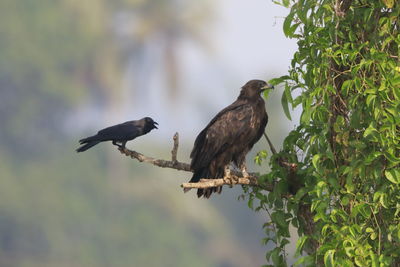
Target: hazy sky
[(247, 43)]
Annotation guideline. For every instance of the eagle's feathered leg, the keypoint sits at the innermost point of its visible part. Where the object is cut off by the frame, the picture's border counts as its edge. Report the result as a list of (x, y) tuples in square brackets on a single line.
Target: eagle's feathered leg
[(227, 171)]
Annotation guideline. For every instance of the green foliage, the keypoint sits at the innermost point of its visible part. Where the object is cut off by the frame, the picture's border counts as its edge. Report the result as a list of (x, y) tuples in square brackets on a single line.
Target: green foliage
[(346, 150), (45, 48)]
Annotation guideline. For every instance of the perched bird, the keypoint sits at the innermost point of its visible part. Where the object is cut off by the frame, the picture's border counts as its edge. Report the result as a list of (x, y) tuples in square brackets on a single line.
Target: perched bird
[(119, 134), (229, 136)]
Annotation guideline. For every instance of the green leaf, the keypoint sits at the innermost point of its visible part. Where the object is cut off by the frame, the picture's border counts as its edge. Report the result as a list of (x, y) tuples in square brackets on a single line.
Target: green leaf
[(305, 261), (388, 3), (250, 203), (392, 158), (315, 161), (329, 260), (299, 245), (373, 236), (284, 242), (383, 200), (374, 259), (286, 97), (370, 99), (301, 193), (345, 200), (396, 90), (370, 131), (306, 114), (287, 25), (279, 80), (369, 230), (276, 258), (278, 217), (393, 175), (371, 157), (346, 86), (285, 3)]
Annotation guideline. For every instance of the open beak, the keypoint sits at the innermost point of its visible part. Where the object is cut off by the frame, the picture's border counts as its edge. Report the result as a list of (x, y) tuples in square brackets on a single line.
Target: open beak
[(267, 86), (154, 125)]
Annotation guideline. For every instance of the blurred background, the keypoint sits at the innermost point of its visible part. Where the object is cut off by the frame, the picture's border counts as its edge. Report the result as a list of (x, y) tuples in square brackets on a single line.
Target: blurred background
[(69, 68)]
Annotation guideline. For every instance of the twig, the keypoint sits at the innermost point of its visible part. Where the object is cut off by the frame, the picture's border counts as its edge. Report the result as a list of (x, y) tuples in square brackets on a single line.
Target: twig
[(174, 151), (271, 146), (180, 166), (173, 163)]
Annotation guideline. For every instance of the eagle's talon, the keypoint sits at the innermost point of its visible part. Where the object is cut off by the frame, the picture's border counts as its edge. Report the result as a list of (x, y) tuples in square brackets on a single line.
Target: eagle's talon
[(229, 181)]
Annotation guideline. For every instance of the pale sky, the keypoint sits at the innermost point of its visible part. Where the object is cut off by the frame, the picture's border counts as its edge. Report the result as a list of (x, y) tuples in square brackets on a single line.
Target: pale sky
[(246, 42)]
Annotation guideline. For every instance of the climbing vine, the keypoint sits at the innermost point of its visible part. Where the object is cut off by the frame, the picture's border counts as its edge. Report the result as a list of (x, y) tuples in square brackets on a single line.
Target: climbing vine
[(337, 178)]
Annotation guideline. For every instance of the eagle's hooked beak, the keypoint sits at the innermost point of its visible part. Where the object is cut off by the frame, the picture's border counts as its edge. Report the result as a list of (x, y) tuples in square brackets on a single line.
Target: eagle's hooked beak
[(154, 125), (267, 86)]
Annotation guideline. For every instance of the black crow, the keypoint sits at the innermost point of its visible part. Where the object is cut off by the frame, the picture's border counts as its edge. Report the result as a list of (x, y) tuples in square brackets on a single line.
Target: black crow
[(119, 134), (230, 136)]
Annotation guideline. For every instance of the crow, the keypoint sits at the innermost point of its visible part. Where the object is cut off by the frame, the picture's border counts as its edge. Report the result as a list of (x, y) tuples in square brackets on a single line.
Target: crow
[(229, 136), (119, 134)]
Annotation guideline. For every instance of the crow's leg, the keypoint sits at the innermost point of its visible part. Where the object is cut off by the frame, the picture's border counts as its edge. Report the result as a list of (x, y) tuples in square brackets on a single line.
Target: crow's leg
[(123, 143), (115, 143), (118, 145)]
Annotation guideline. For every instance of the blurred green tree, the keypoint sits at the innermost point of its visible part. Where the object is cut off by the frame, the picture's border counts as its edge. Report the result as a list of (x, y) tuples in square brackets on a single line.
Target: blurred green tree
[(57, 54), (45, 48)]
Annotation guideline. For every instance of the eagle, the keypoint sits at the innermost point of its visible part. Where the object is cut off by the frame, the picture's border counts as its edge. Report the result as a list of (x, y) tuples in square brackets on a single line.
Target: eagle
[(229, 136), (119, 134)]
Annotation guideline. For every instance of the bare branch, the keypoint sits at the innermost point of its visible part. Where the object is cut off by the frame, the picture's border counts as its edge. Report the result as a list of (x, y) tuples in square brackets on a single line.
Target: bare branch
[(234, 179), (271, 146), (231, 180), (180, 166), (174, 151)]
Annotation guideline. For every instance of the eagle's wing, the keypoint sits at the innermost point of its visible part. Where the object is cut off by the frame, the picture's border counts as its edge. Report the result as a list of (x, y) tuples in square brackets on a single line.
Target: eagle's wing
[(222, 132)]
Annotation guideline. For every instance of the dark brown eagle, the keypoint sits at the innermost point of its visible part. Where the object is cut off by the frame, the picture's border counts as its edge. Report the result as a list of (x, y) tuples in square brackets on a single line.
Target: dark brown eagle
[(229, 136)]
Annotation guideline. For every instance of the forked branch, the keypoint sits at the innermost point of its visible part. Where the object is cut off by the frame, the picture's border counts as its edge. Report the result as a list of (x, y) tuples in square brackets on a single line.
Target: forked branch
[(172, 164), (234, 179)]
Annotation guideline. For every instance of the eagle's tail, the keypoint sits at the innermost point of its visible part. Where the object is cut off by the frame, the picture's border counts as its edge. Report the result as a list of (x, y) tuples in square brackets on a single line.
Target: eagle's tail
[(203, 174), (197, 175)]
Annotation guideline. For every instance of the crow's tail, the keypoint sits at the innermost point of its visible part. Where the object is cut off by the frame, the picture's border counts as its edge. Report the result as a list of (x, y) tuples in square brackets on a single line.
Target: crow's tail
[(86, 146), (89, 139)]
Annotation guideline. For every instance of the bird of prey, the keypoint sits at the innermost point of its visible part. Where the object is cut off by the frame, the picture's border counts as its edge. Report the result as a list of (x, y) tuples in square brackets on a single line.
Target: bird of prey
[(229, 136), (119, 134)]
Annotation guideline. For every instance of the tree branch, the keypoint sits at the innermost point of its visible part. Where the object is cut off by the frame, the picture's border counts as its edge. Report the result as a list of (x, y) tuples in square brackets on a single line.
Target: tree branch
[(271, 146), (229, 180), (234, 179), (172, 164)]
